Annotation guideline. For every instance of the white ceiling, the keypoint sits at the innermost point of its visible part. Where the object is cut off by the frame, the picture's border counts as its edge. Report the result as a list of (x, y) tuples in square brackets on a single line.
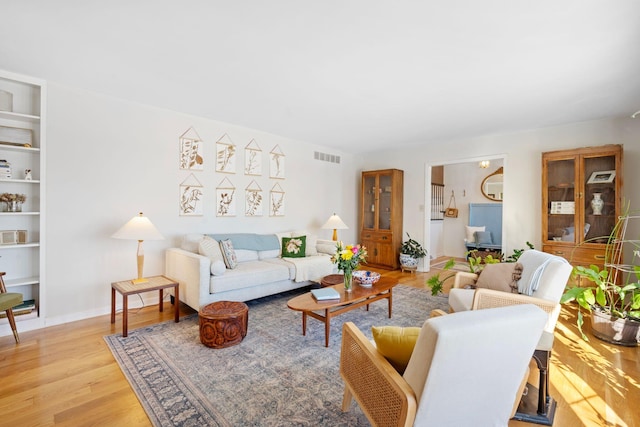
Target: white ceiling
[(355, 75)]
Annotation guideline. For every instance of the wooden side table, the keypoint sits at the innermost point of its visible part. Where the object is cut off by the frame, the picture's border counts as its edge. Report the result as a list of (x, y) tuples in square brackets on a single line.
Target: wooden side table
[(126, 288)]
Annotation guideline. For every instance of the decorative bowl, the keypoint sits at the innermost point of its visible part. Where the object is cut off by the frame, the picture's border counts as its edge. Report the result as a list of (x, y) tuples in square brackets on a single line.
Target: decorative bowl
[(366, 278)]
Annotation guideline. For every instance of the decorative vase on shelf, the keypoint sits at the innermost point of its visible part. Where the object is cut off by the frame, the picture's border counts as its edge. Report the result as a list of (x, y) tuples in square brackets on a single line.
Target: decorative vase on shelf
[(597, 203), (348, 280), (14, 206)]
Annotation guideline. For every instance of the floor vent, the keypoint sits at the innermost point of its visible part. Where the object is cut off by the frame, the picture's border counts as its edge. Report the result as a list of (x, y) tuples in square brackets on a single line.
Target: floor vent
[(326, 157)]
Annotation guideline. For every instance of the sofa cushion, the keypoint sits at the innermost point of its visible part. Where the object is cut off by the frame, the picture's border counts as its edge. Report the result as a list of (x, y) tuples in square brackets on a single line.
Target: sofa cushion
[(395, 344), (270, 254), (211, 249), (249, 274), (294, 247), (244, 255), (229, 254)]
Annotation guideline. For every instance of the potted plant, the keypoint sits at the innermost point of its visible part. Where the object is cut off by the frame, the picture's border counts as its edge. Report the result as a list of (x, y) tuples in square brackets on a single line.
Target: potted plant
[(613, 298), (410, 253)]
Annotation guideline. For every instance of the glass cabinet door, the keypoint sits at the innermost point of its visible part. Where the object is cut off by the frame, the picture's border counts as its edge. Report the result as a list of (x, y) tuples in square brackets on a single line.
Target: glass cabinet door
[(369, 191), (384, 202), (561, 204), (599, 201)]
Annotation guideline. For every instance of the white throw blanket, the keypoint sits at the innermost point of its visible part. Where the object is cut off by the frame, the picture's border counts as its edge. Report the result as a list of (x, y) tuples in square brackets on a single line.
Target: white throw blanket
[(311, 267), (533, 268)]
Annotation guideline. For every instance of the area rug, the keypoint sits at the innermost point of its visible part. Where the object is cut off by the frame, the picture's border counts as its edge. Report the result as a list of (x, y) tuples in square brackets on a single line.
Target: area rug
[(458, 266), (275, 377)]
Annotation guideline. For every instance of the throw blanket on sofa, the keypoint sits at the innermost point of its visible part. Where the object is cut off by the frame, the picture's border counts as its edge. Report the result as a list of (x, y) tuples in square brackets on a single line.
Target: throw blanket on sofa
[(311, 267), (250, 241)]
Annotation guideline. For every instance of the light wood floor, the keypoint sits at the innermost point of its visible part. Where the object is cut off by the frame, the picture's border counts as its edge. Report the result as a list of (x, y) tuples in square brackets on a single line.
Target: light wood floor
[(66, 376)]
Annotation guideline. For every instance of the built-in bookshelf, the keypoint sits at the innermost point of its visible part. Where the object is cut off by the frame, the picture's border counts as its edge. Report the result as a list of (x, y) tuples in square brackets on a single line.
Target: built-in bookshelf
[(22, 142)]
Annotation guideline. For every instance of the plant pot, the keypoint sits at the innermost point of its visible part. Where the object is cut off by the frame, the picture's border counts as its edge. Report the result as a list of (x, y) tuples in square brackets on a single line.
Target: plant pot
[(408, 261), (614, 330)]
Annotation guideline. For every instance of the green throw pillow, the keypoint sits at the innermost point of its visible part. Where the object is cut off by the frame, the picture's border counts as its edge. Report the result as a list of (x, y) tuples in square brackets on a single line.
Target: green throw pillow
[(294, 247)]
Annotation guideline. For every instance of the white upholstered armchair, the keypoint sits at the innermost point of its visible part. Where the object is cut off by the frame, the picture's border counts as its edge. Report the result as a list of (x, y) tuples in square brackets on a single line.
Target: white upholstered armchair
[(545, 276), (466, 369)]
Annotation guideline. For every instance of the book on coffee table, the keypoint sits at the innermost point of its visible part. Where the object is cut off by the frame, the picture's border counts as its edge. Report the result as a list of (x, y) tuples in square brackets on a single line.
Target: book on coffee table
[(324, 294)]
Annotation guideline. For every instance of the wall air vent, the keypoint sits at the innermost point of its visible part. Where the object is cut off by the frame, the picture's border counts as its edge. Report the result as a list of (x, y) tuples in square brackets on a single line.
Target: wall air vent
[(326, 157)]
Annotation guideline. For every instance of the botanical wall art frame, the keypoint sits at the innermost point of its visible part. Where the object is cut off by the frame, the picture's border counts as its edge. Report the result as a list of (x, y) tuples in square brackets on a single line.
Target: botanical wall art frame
[(225, 198), (191, 156), (253, 159), (276, 201), (191, 196), (253, 199), (276, 163), (225, 155)]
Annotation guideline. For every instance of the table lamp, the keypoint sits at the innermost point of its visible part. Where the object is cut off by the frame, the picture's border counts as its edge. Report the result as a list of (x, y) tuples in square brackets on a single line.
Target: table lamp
[(336, 224), (139, 228)]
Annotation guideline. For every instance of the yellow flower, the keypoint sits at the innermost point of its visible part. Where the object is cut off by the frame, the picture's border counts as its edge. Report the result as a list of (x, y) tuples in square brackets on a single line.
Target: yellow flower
[(347, 254)]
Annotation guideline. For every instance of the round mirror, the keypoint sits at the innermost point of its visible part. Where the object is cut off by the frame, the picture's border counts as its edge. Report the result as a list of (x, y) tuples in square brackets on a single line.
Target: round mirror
[(492, 186)]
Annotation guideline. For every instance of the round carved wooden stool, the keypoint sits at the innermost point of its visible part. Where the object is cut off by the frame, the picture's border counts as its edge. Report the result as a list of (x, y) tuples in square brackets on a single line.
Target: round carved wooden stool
[(223, 323), (332, 279)]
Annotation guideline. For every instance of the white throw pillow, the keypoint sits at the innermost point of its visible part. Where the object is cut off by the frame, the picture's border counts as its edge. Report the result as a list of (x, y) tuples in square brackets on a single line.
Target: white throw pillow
[(218, 267), (471, 230), (210, 248), (326, 247)]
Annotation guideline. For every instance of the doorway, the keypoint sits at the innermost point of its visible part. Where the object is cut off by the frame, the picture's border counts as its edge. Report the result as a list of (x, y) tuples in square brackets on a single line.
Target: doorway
[(445, 238)]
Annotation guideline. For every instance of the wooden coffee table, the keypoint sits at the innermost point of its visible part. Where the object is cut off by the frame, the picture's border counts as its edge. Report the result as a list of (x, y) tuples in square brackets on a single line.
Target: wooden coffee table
[(348, 301)]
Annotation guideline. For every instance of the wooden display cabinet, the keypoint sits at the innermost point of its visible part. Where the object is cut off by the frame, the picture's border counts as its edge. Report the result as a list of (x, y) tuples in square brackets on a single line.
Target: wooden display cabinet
[(572, 227), (381, 216)]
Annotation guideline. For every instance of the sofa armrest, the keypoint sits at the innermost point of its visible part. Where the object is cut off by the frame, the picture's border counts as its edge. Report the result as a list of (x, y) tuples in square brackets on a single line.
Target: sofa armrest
[(489, 298), (463, 279), (381, 392), (192, 271)]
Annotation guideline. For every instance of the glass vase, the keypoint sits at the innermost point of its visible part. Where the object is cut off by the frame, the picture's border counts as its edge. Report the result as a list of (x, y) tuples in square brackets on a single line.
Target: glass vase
[(13, 206), (348, 280)]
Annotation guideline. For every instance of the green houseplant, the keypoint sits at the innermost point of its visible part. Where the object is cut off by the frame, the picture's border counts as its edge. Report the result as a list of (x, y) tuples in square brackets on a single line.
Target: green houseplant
[(411, 252), (613, 296)]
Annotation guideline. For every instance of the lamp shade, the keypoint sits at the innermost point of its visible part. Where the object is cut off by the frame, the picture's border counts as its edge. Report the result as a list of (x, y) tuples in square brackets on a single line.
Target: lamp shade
[(138, 228), (335, 223)]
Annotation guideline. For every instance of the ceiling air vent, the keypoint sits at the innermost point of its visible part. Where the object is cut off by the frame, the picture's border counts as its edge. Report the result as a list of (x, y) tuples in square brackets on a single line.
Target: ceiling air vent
[(326, 157)]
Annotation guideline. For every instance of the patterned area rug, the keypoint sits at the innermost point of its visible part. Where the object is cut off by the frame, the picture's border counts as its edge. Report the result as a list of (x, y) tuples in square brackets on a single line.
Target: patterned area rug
[(275, 377)]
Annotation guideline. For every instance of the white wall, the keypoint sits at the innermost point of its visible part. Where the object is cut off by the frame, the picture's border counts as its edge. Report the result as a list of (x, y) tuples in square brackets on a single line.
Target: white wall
[(523, 168), (108, 159)]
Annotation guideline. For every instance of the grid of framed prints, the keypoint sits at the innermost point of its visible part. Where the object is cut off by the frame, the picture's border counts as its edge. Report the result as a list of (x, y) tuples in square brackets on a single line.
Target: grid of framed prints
[(193, 196)]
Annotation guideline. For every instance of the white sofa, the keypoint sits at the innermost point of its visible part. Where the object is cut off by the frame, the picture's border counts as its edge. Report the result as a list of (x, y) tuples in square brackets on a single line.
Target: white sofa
[(260, 270)]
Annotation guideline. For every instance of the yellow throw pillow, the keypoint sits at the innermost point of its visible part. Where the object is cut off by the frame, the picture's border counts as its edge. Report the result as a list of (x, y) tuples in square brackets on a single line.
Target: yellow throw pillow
[(396, 344)]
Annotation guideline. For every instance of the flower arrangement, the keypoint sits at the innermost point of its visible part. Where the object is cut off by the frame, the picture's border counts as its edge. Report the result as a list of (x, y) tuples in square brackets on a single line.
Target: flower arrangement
[(349, 258), (12, 197)]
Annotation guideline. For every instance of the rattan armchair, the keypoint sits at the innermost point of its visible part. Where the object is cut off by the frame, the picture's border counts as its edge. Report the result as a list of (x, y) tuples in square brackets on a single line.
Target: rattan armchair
[(552, 274), (466, 369)]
